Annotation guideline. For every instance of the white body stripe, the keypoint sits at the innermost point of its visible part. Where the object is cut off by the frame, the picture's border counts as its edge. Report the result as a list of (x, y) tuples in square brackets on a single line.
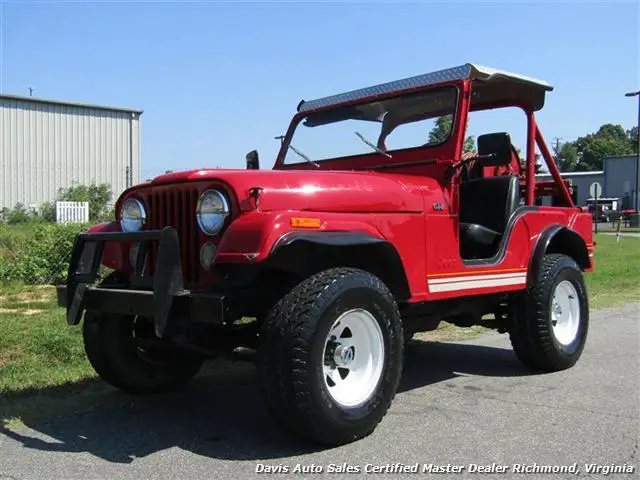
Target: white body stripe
[(475, 277), (461, 283)]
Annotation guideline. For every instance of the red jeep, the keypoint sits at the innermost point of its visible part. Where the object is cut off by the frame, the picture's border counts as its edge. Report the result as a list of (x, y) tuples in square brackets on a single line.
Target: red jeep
[(366, 230)]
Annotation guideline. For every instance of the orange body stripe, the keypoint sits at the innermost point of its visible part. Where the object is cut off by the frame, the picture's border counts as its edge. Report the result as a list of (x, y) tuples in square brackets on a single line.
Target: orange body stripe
[(477, 272)]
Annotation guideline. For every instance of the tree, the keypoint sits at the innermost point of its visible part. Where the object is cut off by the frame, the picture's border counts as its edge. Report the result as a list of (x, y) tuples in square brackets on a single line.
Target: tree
[(586, 152), (523, 161), (633, 139), (609, 140), (442, 129), (469, 144), (565, 155)]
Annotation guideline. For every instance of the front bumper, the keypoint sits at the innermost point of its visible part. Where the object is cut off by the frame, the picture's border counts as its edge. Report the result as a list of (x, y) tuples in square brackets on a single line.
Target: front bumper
[(166, 302)]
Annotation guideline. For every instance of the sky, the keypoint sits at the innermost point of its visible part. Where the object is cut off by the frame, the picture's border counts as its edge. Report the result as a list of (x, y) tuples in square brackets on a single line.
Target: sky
[(218, 79)]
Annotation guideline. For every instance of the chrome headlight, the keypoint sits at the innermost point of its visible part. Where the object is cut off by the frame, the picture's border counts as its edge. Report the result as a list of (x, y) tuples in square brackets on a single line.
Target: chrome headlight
[(132, 215), (212, 211)]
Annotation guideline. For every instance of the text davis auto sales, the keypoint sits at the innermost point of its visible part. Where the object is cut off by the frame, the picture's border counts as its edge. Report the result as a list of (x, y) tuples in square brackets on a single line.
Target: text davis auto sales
[(401, 468)]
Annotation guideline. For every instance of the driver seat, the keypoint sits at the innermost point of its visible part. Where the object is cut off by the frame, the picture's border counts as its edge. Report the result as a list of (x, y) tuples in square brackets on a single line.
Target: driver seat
[(486, 204)]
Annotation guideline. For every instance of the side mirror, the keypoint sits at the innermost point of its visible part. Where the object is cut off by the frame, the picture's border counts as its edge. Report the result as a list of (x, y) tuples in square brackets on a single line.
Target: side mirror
[(494, 149), (253, 163)]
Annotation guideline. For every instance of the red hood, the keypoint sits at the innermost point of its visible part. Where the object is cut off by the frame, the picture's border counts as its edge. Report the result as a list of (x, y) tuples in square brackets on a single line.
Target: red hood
[(338, 191)]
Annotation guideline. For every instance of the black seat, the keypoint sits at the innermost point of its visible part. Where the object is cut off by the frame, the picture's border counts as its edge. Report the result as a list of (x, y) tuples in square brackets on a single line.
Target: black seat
[(486, 204)]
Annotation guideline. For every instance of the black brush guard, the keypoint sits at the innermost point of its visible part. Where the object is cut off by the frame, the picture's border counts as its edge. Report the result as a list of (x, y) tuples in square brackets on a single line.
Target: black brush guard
[(166, 301)]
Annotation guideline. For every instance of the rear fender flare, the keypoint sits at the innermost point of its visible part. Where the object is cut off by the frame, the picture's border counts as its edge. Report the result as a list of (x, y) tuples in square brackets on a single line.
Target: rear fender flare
[(557, 239)]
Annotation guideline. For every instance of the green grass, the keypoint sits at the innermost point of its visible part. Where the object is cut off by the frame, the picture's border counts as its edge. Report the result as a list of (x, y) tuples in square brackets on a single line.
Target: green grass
[(39, 352), (616, 278), (624, 230), (37, 348)]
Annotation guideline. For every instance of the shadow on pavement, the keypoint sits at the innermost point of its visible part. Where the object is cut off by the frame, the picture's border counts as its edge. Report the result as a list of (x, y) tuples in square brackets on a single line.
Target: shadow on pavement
[(221, 414)]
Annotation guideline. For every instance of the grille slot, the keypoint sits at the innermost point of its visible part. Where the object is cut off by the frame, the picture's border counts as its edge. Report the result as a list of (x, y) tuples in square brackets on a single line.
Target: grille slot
[(176, 207)]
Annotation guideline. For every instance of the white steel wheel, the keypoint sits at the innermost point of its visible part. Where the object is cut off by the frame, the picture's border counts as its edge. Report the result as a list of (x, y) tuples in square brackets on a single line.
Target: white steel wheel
[(353, 357), (565, 312)]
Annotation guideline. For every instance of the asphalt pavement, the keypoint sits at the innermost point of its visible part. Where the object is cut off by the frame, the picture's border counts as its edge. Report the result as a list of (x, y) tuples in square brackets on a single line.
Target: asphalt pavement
[(459, 404)]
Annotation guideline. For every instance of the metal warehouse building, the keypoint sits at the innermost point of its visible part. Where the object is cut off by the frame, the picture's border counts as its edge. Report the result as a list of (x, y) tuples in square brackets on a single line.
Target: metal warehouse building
[(617, 179), (48, 144), (580, 181)]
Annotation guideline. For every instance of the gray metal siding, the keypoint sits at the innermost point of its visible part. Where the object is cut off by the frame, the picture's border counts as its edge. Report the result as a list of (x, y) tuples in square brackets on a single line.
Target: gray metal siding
[(581, 182), (45, 146), (620, 176)]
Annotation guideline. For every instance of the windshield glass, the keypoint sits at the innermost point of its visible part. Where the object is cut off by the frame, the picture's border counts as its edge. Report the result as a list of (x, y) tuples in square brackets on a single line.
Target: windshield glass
[(378, 127)]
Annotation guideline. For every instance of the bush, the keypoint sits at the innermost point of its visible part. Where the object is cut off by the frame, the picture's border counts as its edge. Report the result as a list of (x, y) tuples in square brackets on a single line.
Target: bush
[(98, 196), (19, 214), (14, 237), (48, 212), (42, 257)]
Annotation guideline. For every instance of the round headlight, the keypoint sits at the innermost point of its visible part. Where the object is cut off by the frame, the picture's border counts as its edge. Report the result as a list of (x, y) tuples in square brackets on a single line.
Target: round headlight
[(212, 211), (132, 216)]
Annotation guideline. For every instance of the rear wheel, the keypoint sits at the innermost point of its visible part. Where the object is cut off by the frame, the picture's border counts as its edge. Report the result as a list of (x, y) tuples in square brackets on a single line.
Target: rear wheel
[(118, 348), (331, 356), (552, 318)]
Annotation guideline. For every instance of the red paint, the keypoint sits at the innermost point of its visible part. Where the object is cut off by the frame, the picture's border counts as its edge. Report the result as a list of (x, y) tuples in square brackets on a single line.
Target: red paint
[(115, 254), (414, 207), (531, 158)]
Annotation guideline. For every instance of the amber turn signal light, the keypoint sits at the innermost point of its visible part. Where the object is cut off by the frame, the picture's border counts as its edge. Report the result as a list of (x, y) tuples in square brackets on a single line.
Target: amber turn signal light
[(305, 222)]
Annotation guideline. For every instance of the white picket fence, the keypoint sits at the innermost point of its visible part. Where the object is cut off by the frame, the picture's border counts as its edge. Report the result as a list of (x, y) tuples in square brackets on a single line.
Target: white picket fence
[(72, 212)]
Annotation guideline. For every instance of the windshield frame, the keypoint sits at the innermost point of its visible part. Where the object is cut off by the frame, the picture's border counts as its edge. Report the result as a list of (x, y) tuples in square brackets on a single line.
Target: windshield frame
[(300, 116)]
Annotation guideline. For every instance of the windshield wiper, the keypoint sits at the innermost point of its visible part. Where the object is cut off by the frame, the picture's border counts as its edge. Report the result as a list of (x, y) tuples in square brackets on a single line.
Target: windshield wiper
[(379, 150), (302, 155)]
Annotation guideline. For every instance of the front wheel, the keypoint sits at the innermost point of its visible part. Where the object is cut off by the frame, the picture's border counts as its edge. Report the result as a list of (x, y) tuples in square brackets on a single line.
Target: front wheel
[(116, 349), (331, 356), (552, 317)]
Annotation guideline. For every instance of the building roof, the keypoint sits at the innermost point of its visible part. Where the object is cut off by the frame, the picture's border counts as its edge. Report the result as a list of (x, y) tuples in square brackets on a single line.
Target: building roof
[(68, 104), (573, 174), (467, 71), (626, 155)]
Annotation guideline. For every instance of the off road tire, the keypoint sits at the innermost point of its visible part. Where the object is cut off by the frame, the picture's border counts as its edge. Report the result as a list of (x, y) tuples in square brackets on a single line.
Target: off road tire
[(551, 321), (112, 351), (293, 355)]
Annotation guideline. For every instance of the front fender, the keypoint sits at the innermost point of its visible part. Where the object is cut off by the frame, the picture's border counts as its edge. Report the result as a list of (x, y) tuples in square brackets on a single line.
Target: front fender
[(253, 236), (114, 253)]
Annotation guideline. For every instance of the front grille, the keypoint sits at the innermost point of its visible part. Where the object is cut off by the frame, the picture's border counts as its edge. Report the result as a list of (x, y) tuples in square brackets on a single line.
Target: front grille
[(176, 207)]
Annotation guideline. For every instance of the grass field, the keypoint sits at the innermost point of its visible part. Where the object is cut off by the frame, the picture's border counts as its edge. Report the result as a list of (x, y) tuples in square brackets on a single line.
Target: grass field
[(616, 278), (610, 229), (38, 349)]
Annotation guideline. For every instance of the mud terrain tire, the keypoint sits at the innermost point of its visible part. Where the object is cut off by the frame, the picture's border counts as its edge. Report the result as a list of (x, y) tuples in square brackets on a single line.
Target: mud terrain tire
[(550, 328), (301, 366), (112, 351)]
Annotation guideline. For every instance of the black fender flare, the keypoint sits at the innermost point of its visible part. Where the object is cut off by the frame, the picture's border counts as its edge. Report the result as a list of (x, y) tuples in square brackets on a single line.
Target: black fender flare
[(557, 239), (366, 251)]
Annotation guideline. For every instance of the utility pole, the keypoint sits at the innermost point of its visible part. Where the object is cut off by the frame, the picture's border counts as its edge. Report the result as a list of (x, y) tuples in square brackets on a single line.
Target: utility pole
[(637, 94)]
